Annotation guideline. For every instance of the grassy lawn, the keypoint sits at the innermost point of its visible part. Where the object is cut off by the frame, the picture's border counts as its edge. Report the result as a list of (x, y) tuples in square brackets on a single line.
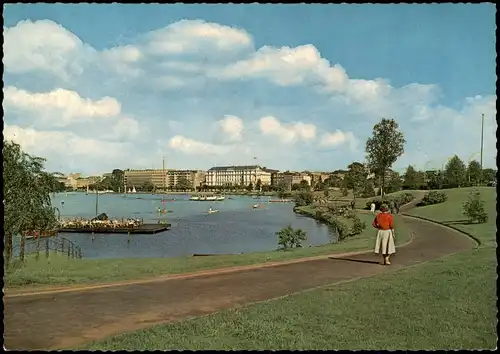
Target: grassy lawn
[(449, 303), (59, 270)]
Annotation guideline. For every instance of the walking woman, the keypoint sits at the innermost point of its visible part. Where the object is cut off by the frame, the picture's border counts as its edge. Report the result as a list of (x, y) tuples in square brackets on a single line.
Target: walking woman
[(384, 244)]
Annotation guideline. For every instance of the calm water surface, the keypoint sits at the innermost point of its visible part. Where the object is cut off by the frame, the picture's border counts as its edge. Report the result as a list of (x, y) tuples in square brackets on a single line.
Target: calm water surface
[(236, 228)]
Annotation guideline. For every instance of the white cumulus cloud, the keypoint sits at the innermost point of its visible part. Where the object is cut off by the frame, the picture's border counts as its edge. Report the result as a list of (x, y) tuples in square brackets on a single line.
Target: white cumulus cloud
[(232, 127), (187, 36), (44, 46), (287, 133), (61, 106), (193, 147)]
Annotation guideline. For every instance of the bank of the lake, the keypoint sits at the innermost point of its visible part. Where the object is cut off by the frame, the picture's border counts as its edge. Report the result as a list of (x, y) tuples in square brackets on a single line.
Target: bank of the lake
[(59, 270), (402, 231)]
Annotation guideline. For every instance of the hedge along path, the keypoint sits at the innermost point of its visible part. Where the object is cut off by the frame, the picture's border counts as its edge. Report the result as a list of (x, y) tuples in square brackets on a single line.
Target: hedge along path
[(54, 320)]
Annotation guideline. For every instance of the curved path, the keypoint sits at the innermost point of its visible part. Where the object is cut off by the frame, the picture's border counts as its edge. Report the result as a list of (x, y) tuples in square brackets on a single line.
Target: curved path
[(59, 319)]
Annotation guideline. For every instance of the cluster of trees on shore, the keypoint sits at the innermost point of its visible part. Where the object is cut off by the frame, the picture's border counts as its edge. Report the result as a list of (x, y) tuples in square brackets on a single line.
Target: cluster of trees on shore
[(26, 189)]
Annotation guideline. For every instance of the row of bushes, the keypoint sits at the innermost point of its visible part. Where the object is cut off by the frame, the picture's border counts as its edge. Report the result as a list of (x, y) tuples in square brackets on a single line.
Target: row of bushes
[(342, 229), (400, 199), (433, 197)]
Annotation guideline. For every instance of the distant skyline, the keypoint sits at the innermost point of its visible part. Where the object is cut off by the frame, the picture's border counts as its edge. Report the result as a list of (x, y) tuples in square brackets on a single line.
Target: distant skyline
[(297, 86)]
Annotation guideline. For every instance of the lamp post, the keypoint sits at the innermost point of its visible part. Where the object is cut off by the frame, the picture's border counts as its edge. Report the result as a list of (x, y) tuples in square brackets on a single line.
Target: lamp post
[(482, 142)]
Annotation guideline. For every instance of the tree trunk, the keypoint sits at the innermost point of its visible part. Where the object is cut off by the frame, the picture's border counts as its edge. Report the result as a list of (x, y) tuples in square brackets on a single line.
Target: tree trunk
[(383, 184), (22, 248), (8, 247)]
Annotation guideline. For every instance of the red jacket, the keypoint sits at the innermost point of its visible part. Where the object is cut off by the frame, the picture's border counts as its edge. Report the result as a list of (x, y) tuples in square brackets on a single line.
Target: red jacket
[(383, 221)]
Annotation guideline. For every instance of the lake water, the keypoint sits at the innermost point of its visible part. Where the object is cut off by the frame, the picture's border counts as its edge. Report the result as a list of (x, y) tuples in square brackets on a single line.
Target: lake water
[(236, 228)]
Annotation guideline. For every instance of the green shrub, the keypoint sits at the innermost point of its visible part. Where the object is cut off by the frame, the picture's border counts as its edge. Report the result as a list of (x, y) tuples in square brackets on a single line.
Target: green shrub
[(358, 226), (326, 193), (473, 208), (368, 191), (401, 199), (341, 228), (344, 192), (433, 197), (289, 237), (350, 214), (304, 198)]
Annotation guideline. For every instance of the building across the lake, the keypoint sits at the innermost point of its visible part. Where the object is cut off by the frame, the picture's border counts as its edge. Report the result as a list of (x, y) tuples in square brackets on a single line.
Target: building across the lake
[(238, 175), (164, 179), (289, 178)]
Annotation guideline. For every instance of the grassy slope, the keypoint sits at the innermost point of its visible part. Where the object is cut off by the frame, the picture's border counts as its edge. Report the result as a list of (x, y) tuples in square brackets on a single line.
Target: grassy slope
[(449, 303), (59, 270)]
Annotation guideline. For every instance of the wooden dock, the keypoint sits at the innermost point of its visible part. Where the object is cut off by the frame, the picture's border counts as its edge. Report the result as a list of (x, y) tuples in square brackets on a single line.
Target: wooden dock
[(142, 229)]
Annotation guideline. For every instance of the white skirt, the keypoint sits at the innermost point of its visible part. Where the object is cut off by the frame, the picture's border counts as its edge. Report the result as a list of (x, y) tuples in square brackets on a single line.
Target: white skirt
[(385, 242)]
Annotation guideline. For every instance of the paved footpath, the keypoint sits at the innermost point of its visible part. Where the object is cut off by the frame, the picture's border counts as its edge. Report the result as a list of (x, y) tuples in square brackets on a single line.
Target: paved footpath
[(53, 320)]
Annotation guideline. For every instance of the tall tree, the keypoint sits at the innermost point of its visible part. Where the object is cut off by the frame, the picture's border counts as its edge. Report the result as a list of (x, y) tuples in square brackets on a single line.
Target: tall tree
[(183, 184), (455, 172), (474, 172), (27, 188), (258, 185), (355, 178), (384, 147), (395, 182), (489, 175), (410, 178)]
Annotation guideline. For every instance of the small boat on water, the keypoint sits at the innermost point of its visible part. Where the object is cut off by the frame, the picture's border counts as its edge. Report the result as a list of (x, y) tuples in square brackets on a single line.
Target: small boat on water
[(210, 198), (212, 211), (220, 198), (194, 198), (255, 206)]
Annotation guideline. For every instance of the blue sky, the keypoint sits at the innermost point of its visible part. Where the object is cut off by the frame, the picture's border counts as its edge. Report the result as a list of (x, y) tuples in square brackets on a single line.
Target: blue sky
[(297, 86)]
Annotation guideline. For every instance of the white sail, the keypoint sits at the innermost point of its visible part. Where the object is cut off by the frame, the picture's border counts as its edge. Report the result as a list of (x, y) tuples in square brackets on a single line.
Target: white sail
[(129, 190), (133, 190)]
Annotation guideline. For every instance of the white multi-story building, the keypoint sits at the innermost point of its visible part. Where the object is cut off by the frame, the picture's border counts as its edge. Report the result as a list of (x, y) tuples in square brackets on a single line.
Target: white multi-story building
[(238, 176)]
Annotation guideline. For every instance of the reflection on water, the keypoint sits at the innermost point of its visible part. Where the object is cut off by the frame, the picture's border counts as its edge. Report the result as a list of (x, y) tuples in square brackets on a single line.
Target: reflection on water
[(236, 228)]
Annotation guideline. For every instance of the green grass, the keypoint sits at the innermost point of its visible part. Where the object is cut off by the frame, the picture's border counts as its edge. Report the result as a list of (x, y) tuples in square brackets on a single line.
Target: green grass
[(59, 270), (449, 303)]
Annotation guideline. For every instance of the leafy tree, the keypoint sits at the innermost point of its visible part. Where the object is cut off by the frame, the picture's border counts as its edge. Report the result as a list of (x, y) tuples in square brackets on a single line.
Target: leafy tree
[(384, 147), (474, 172), (258, 185), (355, 178), (27, 188), (455, 172), (411, 178), (489, 175), (326, 193), (395, 183), (266, 188), (250, 187), (147, 186), (304, 198), (183, 183), (368, 189), (303, 185)]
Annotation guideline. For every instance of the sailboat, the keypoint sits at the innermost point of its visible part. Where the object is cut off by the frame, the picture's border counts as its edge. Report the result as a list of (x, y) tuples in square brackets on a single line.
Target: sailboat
[(129, 190), (133, 190), (87, 192)]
